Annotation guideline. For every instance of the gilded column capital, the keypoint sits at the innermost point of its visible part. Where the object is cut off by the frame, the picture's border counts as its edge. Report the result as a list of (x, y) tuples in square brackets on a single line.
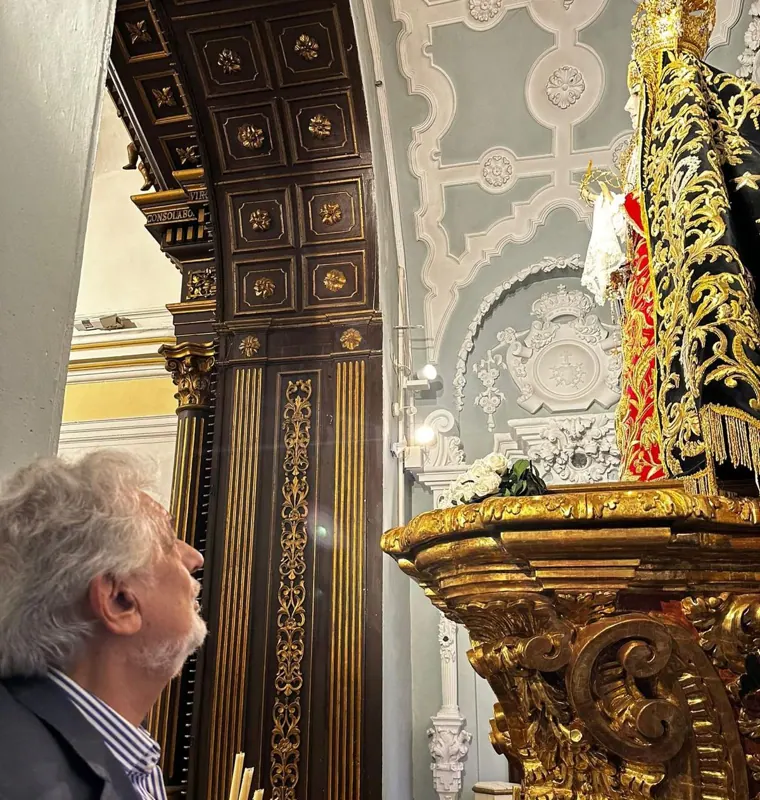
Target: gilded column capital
[(190, 365)]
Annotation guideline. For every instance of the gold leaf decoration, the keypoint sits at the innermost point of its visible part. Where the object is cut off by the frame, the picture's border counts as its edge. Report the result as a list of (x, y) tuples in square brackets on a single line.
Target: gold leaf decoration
[(263, 287), (250, 137), (250, 346), (351, 339), (320, 127), (188, 155), (307, 47), (331, 213), (291, 595), (261, 220), (201, 284), (190, 365), (164, 97), (335, 280), (138, 31), (229, 61)]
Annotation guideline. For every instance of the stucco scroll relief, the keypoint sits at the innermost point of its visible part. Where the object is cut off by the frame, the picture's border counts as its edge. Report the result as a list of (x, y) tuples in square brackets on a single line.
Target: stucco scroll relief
[(581, 448), (544, 267), (749, 61), (566, 361), (564, 87)]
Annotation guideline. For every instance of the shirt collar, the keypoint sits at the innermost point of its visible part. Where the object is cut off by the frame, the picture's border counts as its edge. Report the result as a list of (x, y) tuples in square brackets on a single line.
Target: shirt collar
[(131, 745)]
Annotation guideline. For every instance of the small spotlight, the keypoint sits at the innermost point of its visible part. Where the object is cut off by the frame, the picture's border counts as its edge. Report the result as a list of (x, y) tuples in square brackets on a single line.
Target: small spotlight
[(424, 435), (428, 372)]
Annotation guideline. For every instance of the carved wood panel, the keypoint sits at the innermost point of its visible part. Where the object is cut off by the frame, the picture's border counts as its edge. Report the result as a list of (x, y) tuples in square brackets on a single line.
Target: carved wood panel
[(147, 89), (292, 670)]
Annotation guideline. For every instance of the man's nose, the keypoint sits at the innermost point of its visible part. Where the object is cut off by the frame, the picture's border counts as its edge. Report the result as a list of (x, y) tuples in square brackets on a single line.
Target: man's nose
[(191, 558)]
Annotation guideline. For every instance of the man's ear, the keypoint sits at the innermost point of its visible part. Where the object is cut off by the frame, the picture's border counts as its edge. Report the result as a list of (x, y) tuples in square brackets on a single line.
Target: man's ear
[(115, 604)]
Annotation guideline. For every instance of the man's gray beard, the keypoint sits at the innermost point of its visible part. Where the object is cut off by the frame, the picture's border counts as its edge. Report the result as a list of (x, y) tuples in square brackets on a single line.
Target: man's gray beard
[(169, 658)]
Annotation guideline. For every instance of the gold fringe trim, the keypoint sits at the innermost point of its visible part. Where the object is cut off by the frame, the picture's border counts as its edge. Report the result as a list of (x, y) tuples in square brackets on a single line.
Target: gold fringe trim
[(702, 483), (729, 436)]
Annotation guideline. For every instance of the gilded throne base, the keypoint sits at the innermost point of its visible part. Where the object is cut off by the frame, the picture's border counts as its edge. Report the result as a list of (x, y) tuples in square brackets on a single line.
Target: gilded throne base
[(614, 625)]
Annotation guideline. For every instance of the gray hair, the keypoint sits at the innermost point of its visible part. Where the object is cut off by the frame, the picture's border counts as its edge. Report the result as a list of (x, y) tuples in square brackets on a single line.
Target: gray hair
[(61, 525)]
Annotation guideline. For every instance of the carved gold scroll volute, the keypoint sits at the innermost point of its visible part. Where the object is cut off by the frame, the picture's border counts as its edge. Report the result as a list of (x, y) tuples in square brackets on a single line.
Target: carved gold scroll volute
[(598, 705)]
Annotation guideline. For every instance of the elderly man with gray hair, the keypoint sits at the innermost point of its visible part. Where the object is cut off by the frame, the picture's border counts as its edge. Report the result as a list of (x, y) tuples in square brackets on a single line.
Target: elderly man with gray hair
[(98, 611)]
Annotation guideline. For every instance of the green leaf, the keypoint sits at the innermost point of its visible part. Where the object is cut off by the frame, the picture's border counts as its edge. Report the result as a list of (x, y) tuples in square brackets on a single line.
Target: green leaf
[(520, 467)]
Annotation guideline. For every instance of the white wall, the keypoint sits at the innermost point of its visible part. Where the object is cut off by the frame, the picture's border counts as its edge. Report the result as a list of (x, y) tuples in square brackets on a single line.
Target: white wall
[(123, 268), (52, 74), (151, 439)]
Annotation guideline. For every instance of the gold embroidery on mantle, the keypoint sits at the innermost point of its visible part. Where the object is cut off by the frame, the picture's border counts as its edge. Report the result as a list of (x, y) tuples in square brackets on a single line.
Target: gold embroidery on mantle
[(707, 327), (291, 616)]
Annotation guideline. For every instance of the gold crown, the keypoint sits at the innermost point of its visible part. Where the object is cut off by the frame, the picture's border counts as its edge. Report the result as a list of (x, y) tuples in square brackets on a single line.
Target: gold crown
[(673, 25), (634, 77)]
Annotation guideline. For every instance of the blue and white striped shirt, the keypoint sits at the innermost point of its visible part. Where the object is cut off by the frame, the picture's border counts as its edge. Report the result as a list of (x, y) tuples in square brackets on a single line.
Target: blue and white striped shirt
[(132, 747)]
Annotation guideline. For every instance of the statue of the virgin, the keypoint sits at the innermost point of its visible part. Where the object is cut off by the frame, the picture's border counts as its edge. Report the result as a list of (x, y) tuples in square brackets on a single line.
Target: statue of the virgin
[(677, 250)]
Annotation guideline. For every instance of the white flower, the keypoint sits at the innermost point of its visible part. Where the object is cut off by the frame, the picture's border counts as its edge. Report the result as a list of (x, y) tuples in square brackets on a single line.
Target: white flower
[(488, 485), (467, 493), (497, 462), (446, 500), (480, 470)]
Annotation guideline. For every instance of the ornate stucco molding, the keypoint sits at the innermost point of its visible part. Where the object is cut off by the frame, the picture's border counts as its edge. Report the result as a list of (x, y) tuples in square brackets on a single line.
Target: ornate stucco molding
[(564, 87), (748, 60), (443, 273), (566, 361), (449, 742), (546, 266), (576, 449)]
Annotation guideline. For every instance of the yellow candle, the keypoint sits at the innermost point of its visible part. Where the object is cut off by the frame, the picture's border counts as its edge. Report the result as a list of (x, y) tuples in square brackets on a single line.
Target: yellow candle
[(258, 794), (245, 788), (237, 774)]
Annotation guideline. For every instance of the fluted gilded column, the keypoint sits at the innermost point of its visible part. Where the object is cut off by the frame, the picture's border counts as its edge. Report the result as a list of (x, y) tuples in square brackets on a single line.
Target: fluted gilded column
[(191, 366)]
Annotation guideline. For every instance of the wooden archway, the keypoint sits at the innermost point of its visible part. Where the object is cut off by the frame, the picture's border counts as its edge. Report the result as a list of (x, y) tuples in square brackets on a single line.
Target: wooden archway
[(250, 121)]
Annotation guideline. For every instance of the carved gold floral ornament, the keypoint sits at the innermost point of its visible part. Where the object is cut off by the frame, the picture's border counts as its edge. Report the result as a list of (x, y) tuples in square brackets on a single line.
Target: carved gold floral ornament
[(307, 47), (292, 592), (229, 61), (250, 346), (188, 155), (164, 97), (201, 284), (334, 281), (138, 31), (250, 137), (261, 220), (331, 213), (320, 127), (350, 339), (263, 287)]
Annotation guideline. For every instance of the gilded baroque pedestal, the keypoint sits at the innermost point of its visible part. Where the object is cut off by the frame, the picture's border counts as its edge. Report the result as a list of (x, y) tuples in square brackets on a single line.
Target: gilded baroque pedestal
[(614, 625)]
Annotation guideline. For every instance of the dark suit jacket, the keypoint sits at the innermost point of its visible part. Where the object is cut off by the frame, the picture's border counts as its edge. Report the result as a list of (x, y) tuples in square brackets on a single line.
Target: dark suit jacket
[(48, 750)]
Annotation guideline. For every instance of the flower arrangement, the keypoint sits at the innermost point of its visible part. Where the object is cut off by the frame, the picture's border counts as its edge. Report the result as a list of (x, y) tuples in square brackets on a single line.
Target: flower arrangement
[(491, 476)]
